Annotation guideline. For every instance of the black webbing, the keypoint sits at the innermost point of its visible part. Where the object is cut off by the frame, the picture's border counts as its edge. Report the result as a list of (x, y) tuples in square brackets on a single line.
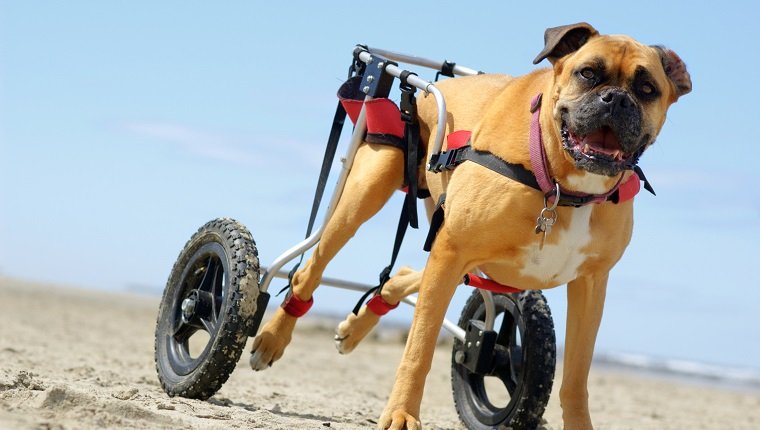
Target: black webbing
[(327, 161), (436, 221), (385, 275), (408, 217)]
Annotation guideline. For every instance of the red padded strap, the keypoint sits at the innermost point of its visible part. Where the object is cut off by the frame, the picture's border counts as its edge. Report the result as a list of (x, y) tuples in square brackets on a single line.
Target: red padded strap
[(296, 307), (383, 116), (352, 107), (476, 281), (458, 139), (378, 306), (629, 189)]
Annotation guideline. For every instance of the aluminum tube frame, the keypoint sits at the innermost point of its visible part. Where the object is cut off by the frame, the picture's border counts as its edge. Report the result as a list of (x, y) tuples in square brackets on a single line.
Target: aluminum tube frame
[(421, 61), (423, 85), (451, 327), (356, 139)]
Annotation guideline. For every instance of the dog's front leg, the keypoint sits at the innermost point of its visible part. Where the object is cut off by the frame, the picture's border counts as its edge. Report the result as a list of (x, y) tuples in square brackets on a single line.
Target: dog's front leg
[(443, 272), (585, 303)]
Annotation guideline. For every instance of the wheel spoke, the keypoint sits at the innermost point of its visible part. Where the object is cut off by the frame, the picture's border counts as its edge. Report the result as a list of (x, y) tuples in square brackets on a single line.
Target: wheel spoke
[(183, 331), (505, 370), (209, 325), (216, 291), (507, 332), (208, 279)]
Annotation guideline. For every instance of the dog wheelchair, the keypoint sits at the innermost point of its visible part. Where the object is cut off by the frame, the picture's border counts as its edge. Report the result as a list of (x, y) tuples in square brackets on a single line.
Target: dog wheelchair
[(503, 355)]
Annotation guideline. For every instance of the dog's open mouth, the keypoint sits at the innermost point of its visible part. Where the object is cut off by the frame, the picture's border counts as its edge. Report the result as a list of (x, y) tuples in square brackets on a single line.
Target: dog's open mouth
[(598, 151)]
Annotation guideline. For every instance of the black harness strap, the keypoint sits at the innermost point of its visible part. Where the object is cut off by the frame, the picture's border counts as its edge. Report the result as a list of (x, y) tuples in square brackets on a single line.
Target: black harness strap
[(435, 223), (448, 160), (385, 275), (408, 107), (408, 217), (332, 145)]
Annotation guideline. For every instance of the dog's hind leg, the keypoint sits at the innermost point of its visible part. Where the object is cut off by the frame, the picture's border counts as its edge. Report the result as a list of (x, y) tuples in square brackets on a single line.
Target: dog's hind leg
[(376, 173), (354, 328)]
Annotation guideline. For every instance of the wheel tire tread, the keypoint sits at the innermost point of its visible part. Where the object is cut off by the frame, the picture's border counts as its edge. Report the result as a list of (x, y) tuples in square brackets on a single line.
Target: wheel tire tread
[(230, 341)]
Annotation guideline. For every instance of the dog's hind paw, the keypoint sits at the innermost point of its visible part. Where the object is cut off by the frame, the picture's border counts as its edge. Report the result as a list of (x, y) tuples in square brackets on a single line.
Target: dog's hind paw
[(353, 329)]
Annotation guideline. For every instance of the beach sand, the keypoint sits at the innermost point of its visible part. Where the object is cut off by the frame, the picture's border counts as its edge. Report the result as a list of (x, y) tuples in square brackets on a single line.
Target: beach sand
[(81, 359)]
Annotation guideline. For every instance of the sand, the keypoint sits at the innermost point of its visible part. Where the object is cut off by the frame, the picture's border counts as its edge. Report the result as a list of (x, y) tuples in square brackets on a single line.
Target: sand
[(81, 359)]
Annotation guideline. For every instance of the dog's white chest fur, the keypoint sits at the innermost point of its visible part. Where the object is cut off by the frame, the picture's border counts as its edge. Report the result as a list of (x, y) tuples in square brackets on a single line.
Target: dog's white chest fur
[(558, 262)]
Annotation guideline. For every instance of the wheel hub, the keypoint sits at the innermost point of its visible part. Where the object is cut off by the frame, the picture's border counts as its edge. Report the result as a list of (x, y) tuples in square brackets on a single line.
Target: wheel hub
[(189, 306)]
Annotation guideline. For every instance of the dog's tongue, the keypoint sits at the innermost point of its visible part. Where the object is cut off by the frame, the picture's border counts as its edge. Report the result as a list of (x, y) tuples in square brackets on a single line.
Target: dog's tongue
[(603, 140)]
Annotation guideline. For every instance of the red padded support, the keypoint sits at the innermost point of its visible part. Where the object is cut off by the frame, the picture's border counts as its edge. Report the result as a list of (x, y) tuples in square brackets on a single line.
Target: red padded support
[(629, 189), (457, 139), (487, 284), (296, 307), (378, 306), (383, 116)]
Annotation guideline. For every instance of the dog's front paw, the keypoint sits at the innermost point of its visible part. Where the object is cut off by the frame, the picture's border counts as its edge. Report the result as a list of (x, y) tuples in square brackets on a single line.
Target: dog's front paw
[(398, 419), (271, 341), (353, 329)]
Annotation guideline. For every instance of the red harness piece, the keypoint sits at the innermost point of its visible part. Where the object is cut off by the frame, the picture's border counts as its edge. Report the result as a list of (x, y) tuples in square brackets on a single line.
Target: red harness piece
[(296, 307), (383, 116), (476, 281), (378, 306)]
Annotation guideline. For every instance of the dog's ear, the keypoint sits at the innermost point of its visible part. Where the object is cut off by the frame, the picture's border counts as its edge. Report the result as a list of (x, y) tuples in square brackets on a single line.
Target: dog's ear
[(675, 69), (562, 40)]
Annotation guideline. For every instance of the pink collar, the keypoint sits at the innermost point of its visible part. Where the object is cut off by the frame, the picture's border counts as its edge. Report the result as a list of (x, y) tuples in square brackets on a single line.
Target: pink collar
[(538, 163)]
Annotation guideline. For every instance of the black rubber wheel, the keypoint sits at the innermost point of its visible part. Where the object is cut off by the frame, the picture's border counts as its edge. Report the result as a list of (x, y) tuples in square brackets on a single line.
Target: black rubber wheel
[(207, 306), (515, 390)]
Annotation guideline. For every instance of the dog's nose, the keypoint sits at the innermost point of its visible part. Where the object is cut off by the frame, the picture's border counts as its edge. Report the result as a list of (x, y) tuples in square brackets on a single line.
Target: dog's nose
[(616, 99)]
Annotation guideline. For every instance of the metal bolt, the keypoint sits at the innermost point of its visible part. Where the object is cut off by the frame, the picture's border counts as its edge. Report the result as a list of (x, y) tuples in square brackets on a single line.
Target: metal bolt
[(370, 79), (469, 344), (477, 343), (188, 309), (366, 89), (480, 333), (459, 357), (380, 65)]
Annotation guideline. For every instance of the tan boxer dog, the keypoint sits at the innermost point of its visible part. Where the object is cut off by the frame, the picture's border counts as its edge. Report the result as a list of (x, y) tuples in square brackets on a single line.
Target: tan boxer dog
[(604, 101)]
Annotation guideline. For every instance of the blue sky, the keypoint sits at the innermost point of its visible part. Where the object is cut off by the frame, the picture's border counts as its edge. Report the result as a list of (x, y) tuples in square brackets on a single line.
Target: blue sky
[(126, 125)]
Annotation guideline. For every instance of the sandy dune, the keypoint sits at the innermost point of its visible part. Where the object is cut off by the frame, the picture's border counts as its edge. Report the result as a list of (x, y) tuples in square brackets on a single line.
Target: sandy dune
[(77, 359)]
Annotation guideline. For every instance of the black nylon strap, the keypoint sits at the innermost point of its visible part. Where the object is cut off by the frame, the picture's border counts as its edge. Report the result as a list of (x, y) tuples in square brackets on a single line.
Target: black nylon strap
[(408, 108), (450, 159), (408, 217), (385, 274), (330, 149), (435, 223), (502, 167)]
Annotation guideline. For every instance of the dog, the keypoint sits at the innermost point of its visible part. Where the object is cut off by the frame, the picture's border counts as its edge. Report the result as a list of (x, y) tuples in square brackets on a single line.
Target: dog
[(603, 102)]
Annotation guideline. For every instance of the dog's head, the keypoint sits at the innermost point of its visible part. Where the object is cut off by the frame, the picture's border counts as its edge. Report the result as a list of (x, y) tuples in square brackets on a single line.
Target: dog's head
[(610, 95)]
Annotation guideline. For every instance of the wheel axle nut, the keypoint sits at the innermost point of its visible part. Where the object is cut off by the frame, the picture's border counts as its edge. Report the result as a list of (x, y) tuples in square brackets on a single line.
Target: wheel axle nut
[(188, 308)]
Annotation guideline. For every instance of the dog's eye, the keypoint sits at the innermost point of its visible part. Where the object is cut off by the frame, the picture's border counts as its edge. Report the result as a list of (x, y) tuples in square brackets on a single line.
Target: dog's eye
[(588, 73), (647, 89)]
